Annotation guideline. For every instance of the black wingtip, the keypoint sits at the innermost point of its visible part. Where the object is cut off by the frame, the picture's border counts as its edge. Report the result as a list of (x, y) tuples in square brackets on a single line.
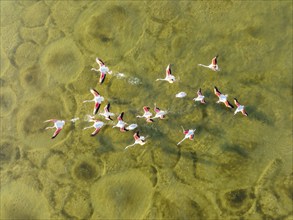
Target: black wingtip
[(150, 120), (103, 80), (95, 90), (97, 109)]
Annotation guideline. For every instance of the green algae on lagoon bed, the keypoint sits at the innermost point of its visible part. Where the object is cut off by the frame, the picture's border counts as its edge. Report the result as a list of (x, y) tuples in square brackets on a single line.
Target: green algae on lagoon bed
[(237, 167)]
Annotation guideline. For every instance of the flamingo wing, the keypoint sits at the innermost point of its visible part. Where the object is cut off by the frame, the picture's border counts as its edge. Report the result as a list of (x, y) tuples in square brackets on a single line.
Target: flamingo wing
[(214, 60), (244, 112), (157, 110), (120, 117), (146, 108), (96, 131), (97, 107), (236, 102), (94, 92), (56, 132), (100, 62), (191, 136), (168, 70), (199, 92), (102, 77), (217, 92), (228, 104), (136, 135), (107, 108), (123, 129)]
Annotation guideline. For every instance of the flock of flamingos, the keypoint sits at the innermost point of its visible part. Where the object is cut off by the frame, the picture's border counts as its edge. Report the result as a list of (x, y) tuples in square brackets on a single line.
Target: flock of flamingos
[(160, 114)]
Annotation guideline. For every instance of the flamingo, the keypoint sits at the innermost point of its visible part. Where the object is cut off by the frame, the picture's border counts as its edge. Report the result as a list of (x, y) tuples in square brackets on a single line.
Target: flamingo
[(200, 97), (169, 77), (103, 69), (188, 134), (159, 113), (97, 99), (107, 114), (240, 108), (121, 124), (58, 124), (214, 65), (222, 98), (147, 114), (97, 125), (138, 140)]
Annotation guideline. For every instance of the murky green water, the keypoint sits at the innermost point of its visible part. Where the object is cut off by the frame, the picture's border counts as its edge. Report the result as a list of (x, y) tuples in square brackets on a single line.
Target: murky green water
[(236, 166)]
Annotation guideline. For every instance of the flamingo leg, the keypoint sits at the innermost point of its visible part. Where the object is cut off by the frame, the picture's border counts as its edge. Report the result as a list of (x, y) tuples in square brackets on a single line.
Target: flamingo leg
[(203, 65), (50, 127), (182, 128), (88, 127), (129, 146), (181, 141), (88, 101)]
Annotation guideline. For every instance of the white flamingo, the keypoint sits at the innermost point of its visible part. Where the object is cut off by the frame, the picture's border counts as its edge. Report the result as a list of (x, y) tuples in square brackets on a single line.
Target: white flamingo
[(159, 113), (137, 140), (188, 134), (97, 99), (214, 65), (103, 69), (147, 114), (97, 125), (200, 97), (240, 108), (58, 124), (222, 98), (169, 77), (121, 124), (107, 114)]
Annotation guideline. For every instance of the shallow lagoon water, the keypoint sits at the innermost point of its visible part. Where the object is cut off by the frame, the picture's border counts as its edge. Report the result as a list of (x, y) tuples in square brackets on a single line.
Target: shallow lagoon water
[(236, 167)]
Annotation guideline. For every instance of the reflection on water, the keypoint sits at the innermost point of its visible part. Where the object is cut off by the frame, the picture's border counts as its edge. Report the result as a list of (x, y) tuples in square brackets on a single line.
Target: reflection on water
[(236, 167)]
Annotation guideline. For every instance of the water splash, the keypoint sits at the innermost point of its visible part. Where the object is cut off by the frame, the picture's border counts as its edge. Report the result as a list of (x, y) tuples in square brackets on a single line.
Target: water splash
[(120, 75), (88, 117), (74, 119), (134, 81)]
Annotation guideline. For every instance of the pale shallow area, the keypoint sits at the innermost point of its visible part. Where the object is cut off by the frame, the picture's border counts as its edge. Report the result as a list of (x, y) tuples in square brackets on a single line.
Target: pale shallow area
[(236, 167)]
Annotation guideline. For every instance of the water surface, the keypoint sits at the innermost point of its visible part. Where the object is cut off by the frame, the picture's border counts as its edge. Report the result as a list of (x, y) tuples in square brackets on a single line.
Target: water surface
[(235, 167)]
